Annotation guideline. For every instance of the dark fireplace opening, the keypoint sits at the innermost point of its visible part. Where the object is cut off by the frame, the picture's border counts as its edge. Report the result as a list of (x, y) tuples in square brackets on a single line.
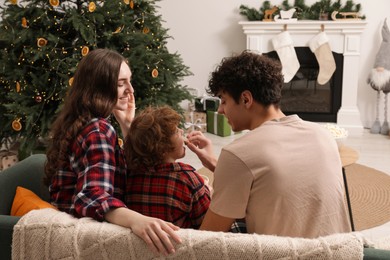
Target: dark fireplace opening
[(304, 96)]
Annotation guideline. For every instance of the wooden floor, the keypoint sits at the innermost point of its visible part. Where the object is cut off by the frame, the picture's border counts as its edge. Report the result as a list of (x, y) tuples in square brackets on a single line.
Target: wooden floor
[(373, 149)]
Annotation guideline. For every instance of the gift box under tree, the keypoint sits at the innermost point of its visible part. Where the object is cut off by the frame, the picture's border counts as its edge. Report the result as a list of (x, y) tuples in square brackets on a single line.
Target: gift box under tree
[(206, 103), (195, 121), (218, 124), (7, 159)]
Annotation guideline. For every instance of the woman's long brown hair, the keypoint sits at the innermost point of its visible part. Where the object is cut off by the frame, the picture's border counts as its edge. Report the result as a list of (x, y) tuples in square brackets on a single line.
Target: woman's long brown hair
[(93, 94)]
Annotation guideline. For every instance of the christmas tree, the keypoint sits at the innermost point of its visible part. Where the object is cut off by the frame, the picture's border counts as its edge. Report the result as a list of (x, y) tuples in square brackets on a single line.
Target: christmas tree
[(42, 41)]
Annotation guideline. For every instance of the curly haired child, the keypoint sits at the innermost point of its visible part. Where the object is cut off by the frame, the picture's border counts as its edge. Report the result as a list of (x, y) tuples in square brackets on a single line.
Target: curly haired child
[(157, 185)]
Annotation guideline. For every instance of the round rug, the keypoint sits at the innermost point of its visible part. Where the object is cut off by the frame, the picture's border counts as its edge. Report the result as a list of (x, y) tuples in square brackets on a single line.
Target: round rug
[(369, 192)]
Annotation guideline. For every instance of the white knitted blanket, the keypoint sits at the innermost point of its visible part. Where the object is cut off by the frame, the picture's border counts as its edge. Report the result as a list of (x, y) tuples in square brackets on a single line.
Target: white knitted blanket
[(50, 234)]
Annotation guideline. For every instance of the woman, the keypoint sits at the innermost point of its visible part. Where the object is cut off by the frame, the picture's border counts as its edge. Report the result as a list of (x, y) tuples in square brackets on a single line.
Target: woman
[(86, 168)]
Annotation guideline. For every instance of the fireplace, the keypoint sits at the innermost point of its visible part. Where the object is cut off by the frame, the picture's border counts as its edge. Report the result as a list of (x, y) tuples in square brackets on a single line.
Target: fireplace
[(344, 39), (304, 96)]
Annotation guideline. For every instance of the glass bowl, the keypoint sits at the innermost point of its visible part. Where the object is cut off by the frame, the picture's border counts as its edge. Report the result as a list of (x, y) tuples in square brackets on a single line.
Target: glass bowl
[(339, 134)]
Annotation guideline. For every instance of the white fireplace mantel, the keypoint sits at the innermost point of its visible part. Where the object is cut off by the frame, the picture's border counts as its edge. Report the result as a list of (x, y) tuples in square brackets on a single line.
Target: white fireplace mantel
[(344, 38)]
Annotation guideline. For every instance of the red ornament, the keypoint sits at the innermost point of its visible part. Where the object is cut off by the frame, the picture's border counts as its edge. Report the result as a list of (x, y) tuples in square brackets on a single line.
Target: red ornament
[(38, 99)]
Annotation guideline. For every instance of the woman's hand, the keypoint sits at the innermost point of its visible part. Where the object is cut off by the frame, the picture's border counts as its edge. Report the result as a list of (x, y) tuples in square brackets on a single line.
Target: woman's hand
[(125, 117), (156, 233), (203, 148)]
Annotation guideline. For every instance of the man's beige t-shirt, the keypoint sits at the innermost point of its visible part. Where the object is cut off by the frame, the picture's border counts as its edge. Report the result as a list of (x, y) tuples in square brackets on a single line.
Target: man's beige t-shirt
[(284, 178)]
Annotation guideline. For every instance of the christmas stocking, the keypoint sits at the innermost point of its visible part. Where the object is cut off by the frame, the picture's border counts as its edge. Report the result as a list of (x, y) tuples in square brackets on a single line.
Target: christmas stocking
[(320, 46), (283, 45)]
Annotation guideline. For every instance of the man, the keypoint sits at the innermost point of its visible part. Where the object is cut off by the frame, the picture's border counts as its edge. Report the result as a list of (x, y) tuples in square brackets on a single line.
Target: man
[(284, 176)]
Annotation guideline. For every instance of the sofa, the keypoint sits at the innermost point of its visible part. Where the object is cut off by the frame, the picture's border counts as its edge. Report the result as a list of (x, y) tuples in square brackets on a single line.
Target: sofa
[(27, 173), (48, 233)]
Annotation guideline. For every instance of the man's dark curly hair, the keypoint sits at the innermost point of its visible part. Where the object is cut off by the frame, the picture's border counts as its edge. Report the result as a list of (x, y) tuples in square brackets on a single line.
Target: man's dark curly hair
[(259, 74)]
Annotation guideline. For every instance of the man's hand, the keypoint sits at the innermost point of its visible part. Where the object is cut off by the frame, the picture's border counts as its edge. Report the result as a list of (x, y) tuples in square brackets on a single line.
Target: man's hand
[(203, 148)]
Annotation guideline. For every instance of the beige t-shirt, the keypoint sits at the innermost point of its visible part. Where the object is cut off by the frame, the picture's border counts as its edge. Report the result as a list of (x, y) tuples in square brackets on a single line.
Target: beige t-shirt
[(284, 178)]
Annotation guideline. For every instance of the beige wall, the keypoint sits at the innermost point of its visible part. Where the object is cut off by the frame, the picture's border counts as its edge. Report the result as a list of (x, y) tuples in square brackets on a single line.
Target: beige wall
[(205, 31)]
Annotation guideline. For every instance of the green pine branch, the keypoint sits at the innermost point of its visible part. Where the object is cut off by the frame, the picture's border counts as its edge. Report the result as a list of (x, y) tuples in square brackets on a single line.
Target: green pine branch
[(303, 11), (41, 45)]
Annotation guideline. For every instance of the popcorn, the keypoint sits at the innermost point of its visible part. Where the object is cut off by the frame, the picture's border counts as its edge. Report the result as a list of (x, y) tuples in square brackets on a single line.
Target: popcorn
[(336, 131)]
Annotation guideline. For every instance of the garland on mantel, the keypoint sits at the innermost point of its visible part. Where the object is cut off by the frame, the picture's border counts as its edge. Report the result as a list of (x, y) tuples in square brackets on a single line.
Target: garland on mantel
[(321, 10)]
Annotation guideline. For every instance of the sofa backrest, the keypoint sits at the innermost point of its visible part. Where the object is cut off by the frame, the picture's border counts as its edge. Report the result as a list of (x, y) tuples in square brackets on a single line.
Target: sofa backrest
[(27, 173)]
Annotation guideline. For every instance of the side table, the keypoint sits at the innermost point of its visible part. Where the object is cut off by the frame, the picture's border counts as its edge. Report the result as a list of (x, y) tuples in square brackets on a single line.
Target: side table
[(348, 156)]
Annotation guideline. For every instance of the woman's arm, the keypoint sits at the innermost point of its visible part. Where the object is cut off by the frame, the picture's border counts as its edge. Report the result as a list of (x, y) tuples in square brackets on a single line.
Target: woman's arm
[(102, 174), (156, 233)]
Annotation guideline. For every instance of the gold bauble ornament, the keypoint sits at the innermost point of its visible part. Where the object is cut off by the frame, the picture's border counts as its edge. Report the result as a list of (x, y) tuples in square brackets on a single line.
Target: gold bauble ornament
[(146, 30), (154, 73), (131, 4), (16, 125), (24, 22), (70, 81), (84, 50), (126, 1), (91, 7), (54, 3), (17, 87), (41, 42)]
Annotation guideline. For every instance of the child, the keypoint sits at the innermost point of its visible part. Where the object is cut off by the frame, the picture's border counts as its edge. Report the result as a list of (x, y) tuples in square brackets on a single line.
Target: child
[(157, 185)]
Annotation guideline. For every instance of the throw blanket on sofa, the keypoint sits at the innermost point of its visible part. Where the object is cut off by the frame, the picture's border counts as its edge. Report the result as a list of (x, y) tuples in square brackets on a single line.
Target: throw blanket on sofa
[(50, 234)]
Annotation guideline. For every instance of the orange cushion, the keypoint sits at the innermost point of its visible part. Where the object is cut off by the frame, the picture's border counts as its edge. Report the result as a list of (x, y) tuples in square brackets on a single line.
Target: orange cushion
[(25, 200)]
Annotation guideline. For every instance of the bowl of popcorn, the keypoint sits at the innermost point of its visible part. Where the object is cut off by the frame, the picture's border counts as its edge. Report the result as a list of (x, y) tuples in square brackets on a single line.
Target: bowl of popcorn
[(338, 133)]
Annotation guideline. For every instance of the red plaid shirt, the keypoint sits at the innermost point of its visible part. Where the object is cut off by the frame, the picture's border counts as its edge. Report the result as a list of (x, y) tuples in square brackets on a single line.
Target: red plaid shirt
[(94, 180), (173, 192)]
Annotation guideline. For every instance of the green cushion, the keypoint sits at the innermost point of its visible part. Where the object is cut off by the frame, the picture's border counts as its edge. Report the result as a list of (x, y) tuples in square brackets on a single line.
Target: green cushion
[(27, 173)]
